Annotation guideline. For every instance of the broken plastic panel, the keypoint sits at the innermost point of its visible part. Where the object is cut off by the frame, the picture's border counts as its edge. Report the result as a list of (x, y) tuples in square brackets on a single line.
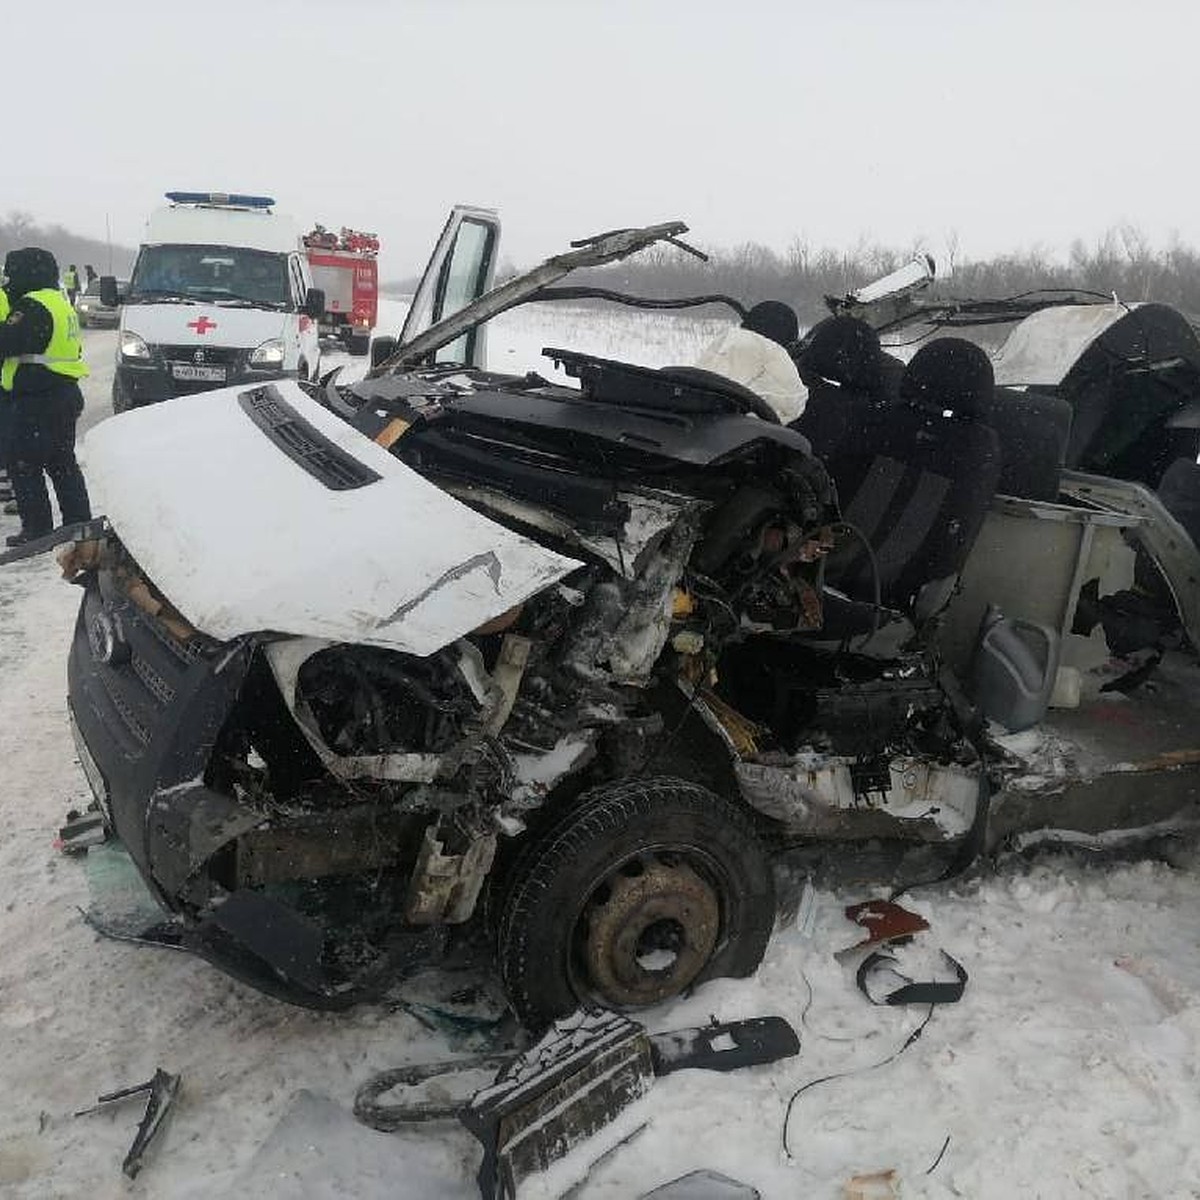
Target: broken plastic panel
[(160, 1094)]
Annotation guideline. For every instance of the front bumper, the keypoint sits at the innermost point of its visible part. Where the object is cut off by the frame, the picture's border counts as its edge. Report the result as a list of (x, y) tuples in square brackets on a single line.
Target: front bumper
[(147, 709), (153, 381)]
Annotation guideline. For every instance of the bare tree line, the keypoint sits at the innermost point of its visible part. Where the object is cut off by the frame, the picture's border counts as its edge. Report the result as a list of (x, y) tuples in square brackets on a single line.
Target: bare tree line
[(1122, 261), (19, 229)]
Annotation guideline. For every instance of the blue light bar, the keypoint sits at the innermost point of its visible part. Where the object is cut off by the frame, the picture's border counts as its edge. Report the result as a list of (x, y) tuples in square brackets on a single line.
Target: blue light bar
[(221, 199)]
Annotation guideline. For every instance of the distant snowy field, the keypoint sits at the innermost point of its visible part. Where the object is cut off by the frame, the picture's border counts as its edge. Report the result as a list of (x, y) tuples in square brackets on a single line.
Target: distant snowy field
[(516, 338), (1069, 1069)]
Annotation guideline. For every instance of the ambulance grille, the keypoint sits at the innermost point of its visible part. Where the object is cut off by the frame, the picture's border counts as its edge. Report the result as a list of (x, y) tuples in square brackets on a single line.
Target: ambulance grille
[(227, 356)]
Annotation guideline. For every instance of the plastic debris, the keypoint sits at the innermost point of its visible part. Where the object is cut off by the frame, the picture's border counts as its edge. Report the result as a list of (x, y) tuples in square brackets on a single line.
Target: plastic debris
[(876, 1185), (703, 1185), (162, 1090)]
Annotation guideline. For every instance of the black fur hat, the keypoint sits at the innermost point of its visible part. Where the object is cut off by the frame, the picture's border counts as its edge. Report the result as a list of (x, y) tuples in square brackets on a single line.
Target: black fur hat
[(29, 269)]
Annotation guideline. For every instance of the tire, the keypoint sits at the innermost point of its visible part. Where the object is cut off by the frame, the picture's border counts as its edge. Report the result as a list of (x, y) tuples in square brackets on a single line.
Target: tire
[(644, 889)]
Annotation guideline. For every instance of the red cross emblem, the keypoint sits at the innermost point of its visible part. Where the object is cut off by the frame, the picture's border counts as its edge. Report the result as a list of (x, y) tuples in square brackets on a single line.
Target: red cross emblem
[(202, 324)]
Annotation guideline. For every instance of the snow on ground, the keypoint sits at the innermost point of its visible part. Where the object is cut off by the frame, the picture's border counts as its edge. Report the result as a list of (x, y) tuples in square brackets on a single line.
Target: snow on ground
[(1068, 1069)]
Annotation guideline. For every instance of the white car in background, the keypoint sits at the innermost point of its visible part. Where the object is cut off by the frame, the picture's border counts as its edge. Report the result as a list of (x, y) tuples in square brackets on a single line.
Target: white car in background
[(92, 310)]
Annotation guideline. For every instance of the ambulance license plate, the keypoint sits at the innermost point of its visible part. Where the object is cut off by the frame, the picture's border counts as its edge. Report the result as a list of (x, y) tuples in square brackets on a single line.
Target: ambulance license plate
[(187, 373)]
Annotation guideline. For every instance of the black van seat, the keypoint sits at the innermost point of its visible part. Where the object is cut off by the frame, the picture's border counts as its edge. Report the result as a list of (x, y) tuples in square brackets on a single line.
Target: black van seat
[(841, 364), (919, 483), (1034, 429), (1179, 491)]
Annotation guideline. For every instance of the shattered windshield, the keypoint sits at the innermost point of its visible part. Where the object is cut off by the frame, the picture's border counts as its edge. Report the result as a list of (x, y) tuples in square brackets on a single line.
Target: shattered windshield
[(214, 274)]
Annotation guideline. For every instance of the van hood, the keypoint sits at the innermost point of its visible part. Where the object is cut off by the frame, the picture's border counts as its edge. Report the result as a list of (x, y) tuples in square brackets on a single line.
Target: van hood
[(203, 324), (242, 535)]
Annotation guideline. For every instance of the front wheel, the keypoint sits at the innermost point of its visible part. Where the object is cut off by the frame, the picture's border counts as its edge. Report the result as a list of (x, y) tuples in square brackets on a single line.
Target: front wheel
[(645, 888)]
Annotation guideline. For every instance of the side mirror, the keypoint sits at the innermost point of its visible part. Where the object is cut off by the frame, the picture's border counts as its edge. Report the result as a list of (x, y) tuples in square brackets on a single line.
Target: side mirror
[(109, 296), (314, 303), (382, 348)]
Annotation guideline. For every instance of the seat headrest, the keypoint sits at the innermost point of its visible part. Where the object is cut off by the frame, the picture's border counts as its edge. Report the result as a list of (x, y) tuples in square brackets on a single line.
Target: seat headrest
[(845, 351), (949, 374), (775, 320)]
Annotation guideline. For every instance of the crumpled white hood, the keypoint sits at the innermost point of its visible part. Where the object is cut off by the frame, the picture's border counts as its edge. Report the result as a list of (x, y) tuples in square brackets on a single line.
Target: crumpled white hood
[(242, 539)]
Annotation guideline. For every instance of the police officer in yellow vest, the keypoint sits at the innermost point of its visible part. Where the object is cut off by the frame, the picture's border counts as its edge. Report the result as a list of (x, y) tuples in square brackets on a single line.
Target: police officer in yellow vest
[(70, 283), (5, 489), (41, 363)]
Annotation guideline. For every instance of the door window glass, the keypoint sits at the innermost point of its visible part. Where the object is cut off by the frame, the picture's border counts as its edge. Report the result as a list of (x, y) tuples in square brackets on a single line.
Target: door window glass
[(462, 281)]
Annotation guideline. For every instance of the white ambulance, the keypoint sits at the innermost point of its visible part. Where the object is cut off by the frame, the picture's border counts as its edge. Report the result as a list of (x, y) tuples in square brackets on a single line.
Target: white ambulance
[(220, 294)]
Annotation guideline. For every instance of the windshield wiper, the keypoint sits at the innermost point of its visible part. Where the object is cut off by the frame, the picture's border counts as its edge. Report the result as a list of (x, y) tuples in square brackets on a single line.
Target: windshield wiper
[(160, 296), (247, 301)]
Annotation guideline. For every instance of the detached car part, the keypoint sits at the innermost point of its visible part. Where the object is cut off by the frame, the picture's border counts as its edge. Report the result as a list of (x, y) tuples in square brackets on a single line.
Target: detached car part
[(160, 1095), (576, 1080), (703, 1185)]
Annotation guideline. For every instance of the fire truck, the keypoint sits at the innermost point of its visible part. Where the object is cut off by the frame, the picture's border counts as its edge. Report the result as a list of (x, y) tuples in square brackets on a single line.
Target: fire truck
[(344, 266)]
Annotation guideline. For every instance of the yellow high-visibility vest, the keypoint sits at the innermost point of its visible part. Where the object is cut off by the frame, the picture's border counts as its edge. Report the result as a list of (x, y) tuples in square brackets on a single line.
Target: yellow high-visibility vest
[(4, 311), (64, 354)]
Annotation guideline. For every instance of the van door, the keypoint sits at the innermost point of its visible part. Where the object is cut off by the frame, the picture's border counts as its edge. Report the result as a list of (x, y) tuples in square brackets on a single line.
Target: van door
[(460, 270), (308, 328)]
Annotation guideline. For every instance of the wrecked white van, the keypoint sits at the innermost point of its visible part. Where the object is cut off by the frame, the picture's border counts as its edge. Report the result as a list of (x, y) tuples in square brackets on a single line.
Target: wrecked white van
[(449, 657)]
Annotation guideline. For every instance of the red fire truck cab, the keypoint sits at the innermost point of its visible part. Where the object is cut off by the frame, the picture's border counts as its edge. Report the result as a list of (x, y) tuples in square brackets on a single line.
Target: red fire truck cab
[(344, 266)]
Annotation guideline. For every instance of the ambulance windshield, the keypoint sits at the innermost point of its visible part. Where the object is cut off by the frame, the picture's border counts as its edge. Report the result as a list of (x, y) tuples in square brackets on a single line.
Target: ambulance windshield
[(213, 274)]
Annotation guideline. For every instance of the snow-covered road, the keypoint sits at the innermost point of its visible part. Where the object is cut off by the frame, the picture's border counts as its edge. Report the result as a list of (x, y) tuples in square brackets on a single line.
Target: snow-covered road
[(1068, 1069)]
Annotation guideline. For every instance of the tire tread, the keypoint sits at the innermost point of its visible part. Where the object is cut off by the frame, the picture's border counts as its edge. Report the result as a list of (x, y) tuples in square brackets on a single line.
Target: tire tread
[(601, 815)]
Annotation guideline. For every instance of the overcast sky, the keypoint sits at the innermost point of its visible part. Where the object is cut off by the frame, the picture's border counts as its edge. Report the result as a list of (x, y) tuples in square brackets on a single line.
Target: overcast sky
[(1003, 123)]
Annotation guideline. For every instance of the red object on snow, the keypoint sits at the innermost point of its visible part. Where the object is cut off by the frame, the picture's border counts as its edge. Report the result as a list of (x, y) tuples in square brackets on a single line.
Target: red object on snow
[(884, 921)]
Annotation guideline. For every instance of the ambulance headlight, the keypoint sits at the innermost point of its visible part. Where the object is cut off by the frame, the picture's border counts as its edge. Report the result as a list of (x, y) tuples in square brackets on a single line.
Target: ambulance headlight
[(133, 346), (269, 354)]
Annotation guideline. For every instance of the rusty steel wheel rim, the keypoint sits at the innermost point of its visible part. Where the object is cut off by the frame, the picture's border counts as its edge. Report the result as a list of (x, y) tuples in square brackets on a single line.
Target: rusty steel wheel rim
[(648, 929)]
